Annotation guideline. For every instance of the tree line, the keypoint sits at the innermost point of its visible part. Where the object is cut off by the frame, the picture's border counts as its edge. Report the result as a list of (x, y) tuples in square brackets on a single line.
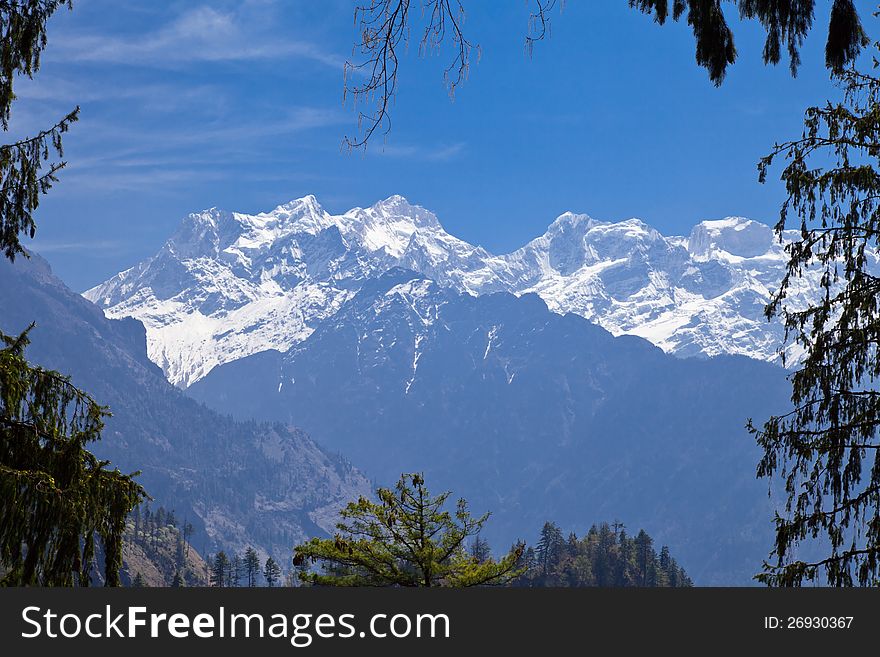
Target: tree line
[(605, 556), (408, 538), (245, 569)]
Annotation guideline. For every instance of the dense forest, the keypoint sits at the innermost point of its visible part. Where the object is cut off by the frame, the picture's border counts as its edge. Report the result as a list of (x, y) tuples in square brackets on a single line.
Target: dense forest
[(604, 556)]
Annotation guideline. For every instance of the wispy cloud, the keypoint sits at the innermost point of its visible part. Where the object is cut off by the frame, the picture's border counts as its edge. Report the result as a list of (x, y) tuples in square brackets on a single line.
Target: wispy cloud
[(94, 248), (200, 34), (168, 179), (160, 144), (440, 153), (150, 97)]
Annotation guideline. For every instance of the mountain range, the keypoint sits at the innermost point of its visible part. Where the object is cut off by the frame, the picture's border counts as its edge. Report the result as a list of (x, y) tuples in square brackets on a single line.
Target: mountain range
[(528, 414), (527, 382), (228, 285)]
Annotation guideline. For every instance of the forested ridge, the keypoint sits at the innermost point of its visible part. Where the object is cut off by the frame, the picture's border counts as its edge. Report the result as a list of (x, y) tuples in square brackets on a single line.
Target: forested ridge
[(157, 552), (605, 556)]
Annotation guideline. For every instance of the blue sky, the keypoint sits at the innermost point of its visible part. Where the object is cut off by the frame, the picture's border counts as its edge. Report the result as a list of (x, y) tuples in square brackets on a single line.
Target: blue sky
[(238, 104)]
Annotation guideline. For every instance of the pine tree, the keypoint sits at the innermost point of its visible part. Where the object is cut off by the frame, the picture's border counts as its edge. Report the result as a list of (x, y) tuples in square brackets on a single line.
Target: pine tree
[(177, 582), (236, 571), (826, 451), (623, 575), (56, 497), (480, 550), (549, 550), (645, 558), (138, 581), (179, 558), (606, 555), (529, 561), (271, 572), (220, 570), (187, 533), (251, 566), (665, 559), (22, 176), (408, 538)]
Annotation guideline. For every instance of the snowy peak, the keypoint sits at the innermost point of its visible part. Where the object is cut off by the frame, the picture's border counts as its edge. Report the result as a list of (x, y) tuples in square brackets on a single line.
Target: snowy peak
[(397, 207), (576, 251), (388, 225), (570, 222), (565, 245), (583, 226), (736, 236), (230, 284), (300, 215), (203, 233)]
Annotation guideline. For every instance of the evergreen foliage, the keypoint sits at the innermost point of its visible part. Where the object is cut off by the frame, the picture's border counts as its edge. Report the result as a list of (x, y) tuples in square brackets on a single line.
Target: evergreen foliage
[(229, 569), (23, 178), (787, 23), (251, 562), (826, 451), (220, 570), (479, 550), (236, 571), (407, 538), (605, 556), (56, 497), (271, 572)]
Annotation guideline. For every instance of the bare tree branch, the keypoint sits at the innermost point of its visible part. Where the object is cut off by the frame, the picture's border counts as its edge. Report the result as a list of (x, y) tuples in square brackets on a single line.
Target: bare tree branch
[(384, 27), (539, 22)]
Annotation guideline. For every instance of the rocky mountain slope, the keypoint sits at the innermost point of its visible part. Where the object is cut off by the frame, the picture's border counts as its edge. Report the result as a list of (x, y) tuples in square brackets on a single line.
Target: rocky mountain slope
[(227, 285), (158, 554), (239, 484)]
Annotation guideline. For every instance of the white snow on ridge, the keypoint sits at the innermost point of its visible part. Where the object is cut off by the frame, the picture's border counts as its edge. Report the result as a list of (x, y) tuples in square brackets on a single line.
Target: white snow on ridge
[(227, 284)]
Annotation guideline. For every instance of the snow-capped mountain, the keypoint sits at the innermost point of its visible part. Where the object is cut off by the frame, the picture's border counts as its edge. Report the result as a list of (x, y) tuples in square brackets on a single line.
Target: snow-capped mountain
[(699, 295), (528, 414), (227, 285)]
